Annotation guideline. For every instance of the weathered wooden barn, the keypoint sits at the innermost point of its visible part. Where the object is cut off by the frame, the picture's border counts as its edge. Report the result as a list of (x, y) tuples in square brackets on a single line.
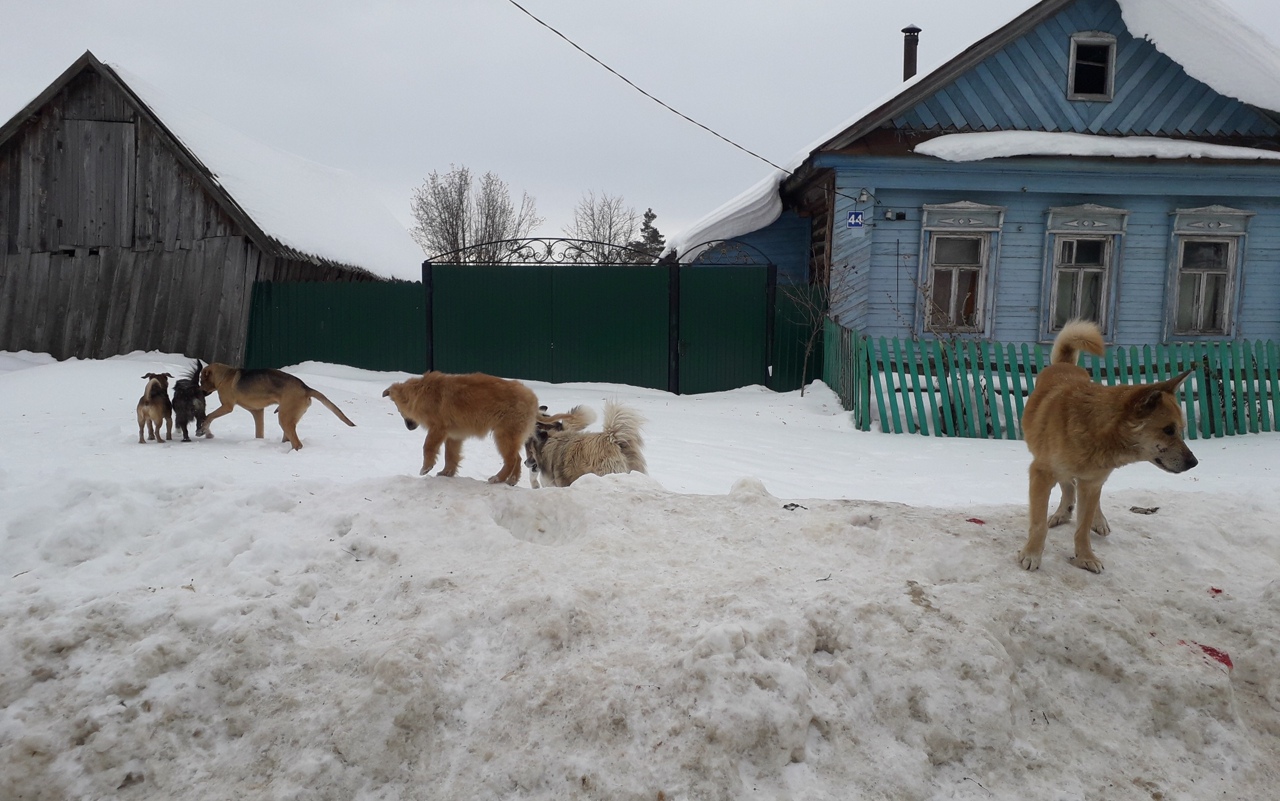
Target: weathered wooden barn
[(1108, 159), (126, 227)]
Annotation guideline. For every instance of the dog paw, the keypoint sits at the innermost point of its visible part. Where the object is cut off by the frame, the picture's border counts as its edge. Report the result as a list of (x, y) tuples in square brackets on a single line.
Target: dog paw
[(1101, 527), (1059, 518), (1029, 561), (1091, 563), (424, 470)]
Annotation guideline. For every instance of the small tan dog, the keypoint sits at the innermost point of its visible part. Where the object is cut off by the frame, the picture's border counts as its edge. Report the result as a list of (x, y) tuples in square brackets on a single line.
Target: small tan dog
[(255, 390), (564, 452), (454, 407), (153, 407), (1078, 432)]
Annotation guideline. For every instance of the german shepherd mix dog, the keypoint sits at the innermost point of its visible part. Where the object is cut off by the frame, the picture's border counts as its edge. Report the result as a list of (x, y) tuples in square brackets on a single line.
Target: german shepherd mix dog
[(576, 419), (454, 407), (1079, 431), (154, 407), (564, 455), (188, 402), (255, 390)]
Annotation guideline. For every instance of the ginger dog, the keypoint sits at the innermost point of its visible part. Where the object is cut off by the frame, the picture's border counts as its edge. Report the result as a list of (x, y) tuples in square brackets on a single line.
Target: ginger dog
[(154, 407), (1078, 432), (454, 407), (255, 390)]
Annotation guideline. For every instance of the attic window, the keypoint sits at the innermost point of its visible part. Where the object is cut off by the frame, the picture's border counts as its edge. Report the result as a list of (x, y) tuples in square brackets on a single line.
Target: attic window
[(1093, 65)]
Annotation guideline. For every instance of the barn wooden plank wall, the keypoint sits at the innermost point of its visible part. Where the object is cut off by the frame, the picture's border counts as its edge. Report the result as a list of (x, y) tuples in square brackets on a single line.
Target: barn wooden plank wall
[(109, 242)]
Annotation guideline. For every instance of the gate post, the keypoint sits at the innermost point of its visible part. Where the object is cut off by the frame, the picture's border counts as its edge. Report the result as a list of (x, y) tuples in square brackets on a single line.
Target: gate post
[(429, 310), (673, 336)]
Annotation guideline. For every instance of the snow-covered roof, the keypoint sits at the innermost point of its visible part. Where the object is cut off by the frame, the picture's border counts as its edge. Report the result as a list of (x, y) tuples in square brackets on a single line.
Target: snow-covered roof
[(1209, 40), (1004, 144), (311, 208)]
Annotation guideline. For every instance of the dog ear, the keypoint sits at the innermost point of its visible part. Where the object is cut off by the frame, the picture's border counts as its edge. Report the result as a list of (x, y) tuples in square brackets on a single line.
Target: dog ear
[(1173, 383), (386, 393)]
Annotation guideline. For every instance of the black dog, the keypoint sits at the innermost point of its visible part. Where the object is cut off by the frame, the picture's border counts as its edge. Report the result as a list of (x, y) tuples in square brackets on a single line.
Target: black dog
[(188, 402)]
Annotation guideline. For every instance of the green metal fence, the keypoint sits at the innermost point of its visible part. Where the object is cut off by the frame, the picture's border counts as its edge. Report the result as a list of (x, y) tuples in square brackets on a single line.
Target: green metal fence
[(686, 328), (374, 325), (977, 389)]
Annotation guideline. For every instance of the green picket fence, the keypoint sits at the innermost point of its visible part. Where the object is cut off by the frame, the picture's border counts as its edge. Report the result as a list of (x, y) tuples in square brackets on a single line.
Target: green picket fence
[(968, 388)]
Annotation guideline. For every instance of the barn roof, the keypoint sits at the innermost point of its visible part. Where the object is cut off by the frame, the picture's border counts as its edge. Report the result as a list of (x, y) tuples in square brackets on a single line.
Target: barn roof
[(290, 206), (1207, 39)]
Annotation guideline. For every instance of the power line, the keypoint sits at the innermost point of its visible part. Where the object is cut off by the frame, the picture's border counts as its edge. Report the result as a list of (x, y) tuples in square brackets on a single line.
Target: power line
[(646, 94)]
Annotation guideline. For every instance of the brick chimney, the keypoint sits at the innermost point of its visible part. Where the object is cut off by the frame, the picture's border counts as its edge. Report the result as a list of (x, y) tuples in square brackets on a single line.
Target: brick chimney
[(910, 43)]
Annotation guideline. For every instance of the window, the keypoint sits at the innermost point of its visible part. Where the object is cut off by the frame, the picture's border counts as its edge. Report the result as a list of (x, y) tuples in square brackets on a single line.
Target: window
[(1204, 269), (959, 241), (1206, 266), (1082, 254), (1091, 75), (956, 266), (1080, 273)]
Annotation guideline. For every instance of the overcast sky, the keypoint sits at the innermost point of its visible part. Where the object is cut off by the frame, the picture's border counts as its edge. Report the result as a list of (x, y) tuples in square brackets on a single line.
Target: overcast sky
[(393, 89)]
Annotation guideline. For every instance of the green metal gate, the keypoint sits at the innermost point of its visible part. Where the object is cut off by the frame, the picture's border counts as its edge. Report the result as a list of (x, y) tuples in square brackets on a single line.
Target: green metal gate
[(551, 322), (725, 322), (550, 311)]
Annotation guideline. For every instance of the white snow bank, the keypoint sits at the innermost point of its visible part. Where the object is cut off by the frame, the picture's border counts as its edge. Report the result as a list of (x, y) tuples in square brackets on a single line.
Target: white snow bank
[(1213, 44), (314, 209), (784, 608), (1004, 144)]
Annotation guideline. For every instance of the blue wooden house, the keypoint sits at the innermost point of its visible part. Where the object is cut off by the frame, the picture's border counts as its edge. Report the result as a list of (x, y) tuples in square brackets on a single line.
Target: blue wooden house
[(1081, 161)]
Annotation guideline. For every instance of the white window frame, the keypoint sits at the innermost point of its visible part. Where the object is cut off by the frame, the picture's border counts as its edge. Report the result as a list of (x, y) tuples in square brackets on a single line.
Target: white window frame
[(1207, 224), (965, 220), (1085, 222), (1092, 39)]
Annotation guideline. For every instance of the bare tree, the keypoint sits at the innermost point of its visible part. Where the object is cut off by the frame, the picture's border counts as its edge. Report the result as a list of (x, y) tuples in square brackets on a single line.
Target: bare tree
[(809, 305), (608, 220), (452, 212)]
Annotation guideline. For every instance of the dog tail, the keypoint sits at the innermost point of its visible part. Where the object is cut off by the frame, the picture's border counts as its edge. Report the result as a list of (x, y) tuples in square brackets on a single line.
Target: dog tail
[(622, 426), (1077, 336), (332, 406), (193, 375), (576, 419)]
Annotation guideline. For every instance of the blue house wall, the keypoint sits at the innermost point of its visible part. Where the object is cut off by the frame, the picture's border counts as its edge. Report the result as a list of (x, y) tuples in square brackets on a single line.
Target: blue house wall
[(876, 275)]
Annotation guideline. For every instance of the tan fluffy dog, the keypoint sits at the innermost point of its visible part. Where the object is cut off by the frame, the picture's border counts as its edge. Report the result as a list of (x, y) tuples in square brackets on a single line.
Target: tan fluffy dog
[(255, 390), (454, 407), (576, 419), (153, 407), (564, 453), (1079, 431)]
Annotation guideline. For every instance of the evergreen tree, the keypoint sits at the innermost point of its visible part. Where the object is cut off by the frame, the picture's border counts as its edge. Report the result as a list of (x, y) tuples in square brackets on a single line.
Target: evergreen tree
[(651, 240)]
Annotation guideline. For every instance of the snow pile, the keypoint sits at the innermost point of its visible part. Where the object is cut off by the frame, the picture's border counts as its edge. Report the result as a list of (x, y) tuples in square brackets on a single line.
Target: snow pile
[(1007, 144), (761, 617), (314, 209)]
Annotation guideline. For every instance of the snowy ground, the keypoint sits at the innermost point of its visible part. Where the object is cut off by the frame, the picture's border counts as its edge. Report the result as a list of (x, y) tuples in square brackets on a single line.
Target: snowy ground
[(784, 608)]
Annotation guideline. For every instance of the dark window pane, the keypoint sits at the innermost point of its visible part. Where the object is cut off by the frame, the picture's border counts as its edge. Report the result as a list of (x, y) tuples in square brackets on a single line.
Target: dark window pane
[(1199, 255), (1090, 252), (967, 297), (1090, 295), (1215, 304), (1092, 63), (1064, 304), (1188, 288), (940, 313), (957, 250)]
